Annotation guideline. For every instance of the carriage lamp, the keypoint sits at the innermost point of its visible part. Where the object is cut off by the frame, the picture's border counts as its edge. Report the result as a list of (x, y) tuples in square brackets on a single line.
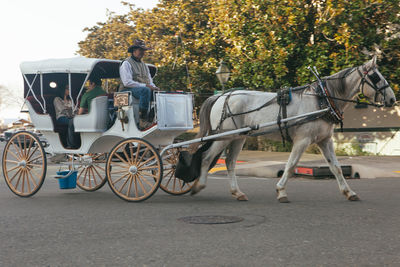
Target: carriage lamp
[(223, 73), (53, 85)]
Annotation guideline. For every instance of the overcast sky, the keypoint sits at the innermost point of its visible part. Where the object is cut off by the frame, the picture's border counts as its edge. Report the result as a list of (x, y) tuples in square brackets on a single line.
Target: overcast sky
[(41, 29)]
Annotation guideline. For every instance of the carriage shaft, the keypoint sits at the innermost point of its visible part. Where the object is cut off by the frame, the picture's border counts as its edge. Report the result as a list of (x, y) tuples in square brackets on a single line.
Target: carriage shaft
[(241, 130)]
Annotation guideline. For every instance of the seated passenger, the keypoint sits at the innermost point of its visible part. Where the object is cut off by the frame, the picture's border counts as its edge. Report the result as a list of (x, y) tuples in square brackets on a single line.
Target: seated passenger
[(64, 116), (136, 78), (93, 90), (63, 107)]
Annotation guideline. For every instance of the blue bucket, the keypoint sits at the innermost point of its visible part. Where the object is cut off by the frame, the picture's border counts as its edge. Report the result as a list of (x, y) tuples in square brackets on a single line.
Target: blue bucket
[(69, 182)]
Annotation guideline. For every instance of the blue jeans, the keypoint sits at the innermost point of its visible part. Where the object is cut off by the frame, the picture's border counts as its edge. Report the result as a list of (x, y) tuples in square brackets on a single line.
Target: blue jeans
[(143, 94), (63, 120), (73, 139)]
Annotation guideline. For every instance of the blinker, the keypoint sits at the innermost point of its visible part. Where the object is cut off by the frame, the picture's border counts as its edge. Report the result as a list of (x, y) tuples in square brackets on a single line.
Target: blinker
[(374, 77)]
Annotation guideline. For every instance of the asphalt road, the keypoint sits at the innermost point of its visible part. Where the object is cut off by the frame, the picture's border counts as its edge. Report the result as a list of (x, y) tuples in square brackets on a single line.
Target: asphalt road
[(318, 228)]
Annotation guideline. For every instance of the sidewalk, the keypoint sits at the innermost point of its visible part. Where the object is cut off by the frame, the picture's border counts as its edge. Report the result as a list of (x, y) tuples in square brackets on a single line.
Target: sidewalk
[(272, 164)]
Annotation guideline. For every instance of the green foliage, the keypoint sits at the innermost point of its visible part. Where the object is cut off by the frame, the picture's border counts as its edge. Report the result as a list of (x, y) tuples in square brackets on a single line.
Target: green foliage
[(268, 44)]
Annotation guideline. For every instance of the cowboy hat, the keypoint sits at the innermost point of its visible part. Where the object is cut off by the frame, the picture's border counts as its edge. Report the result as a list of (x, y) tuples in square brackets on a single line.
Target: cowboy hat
[(138, 44)]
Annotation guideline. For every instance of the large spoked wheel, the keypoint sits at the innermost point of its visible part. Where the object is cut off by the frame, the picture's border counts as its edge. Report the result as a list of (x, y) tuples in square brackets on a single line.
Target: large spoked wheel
[(134, 169), (91, 170), (24, 164), (170, 183)]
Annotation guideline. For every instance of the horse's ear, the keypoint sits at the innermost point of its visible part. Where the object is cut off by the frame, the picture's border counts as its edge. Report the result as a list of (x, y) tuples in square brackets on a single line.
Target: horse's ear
[(374, 60), (371, 63)]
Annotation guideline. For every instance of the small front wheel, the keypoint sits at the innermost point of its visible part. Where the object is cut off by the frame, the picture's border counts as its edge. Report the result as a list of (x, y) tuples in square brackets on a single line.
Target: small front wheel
[(24, 164), (134, 169), (91, 171)]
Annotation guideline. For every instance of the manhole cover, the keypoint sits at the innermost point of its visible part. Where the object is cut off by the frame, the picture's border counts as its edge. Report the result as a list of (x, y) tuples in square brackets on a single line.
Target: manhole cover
[(210, 219)]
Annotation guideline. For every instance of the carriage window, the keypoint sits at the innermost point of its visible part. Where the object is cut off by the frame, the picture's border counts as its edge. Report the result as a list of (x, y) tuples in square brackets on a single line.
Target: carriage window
[(53, 85)]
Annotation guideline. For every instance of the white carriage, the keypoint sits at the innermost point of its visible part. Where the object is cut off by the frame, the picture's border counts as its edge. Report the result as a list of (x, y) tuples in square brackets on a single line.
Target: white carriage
[(111, 150)]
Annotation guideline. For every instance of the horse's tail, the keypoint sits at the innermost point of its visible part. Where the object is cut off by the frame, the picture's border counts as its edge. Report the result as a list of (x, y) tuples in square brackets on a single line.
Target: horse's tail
[(205, 122)]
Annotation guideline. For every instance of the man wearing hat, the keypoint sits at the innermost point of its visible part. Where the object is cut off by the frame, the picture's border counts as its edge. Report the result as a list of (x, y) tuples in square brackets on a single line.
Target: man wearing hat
[(136, 78)]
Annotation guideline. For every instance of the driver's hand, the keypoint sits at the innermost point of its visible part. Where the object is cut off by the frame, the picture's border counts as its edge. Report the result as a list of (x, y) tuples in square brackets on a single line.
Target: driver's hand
[(154, 88)]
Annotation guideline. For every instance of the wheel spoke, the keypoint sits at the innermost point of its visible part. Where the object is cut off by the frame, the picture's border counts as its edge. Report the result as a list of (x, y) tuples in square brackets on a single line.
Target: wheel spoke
[(27, 182), (137, 153), (20, 147), (118, 172), (84, 176), (19, 178), (33, 152), (151, 175), (12, 161), (173, 184), (14, 168), (136, 187), (23, 181), (99, 175), (33, 180), (141, 157), (123, 185), (24, 151), (118, 156), (148, 160), (16, 149), (96, 157), (141, 184), (130, 186), (38, 157), (126, 156), (169, 180), (37, 175), (148, 168), (145, 180), (94, 177), (13, 154), (132, 157), (29, 148), (15, 174), (119, 179), (101, 168)]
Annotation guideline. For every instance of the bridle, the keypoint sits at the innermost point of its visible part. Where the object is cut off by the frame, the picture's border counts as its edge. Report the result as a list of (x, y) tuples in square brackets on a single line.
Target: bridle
[(373, 81)]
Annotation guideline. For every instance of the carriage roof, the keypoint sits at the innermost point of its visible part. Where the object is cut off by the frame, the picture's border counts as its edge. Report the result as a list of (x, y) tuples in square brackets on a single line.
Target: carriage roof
[(69, 65)]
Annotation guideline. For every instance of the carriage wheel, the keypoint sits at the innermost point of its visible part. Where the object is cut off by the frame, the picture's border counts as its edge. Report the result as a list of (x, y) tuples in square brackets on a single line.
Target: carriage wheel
[(24, 164), (170, 183), (91, 170), (134, 169)]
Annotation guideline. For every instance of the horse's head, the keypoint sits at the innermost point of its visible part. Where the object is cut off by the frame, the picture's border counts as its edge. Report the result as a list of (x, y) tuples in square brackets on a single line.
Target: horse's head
[(374, 86)]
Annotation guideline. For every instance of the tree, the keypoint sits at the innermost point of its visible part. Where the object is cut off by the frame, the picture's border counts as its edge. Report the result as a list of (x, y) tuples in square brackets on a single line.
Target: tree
[(268, 44)]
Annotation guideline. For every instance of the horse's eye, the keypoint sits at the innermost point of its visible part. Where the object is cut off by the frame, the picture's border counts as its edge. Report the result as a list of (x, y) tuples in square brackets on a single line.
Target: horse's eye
[(374, 77)]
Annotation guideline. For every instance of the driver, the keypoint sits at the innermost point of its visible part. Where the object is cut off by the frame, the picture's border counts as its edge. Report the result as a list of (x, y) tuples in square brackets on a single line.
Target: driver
[(136, 78)]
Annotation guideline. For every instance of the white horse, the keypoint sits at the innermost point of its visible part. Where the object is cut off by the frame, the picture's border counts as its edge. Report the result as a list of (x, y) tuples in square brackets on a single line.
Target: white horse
[(344, 85)]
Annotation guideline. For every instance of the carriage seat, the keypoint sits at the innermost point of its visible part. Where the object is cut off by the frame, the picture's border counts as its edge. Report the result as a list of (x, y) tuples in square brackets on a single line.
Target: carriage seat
[(49, 110), (96, 120)]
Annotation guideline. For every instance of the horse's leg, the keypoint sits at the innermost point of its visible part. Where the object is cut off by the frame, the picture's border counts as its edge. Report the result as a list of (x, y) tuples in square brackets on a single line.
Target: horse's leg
[(208, 157), (327, 149), (298, 149), (234, 149)]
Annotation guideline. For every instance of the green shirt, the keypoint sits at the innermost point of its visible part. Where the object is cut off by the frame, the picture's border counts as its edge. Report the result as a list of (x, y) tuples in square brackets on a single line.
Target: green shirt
[(88, 96)]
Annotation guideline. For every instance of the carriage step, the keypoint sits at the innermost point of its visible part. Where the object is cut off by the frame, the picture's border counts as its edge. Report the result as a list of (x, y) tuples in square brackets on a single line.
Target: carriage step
[(321, 172)]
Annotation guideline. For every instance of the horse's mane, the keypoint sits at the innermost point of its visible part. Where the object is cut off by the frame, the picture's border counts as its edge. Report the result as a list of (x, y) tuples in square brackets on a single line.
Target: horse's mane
[(337, 80)]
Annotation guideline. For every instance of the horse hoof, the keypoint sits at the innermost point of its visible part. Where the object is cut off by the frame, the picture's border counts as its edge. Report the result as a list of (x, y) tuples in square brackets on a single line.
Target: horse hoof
[(353, 198), (242, 198), (196, 189), (283, 200)]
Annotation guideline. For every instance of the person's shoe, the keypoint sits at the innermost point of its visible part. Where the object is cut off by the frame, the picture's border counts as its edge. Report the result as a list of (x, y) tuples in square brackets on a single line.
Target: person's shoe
[(144, 124)]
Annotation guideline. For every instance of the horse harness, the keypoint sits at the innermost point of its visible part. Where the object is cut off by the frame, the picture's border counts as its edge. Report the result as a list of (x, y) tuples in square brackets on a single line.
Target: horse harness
[(325, 100)]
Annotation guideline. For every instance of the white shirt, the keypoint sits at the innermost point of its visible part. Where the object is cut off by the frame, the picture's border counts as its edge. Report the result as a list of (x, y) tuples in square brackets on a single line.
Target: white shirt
[(125, 72)]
